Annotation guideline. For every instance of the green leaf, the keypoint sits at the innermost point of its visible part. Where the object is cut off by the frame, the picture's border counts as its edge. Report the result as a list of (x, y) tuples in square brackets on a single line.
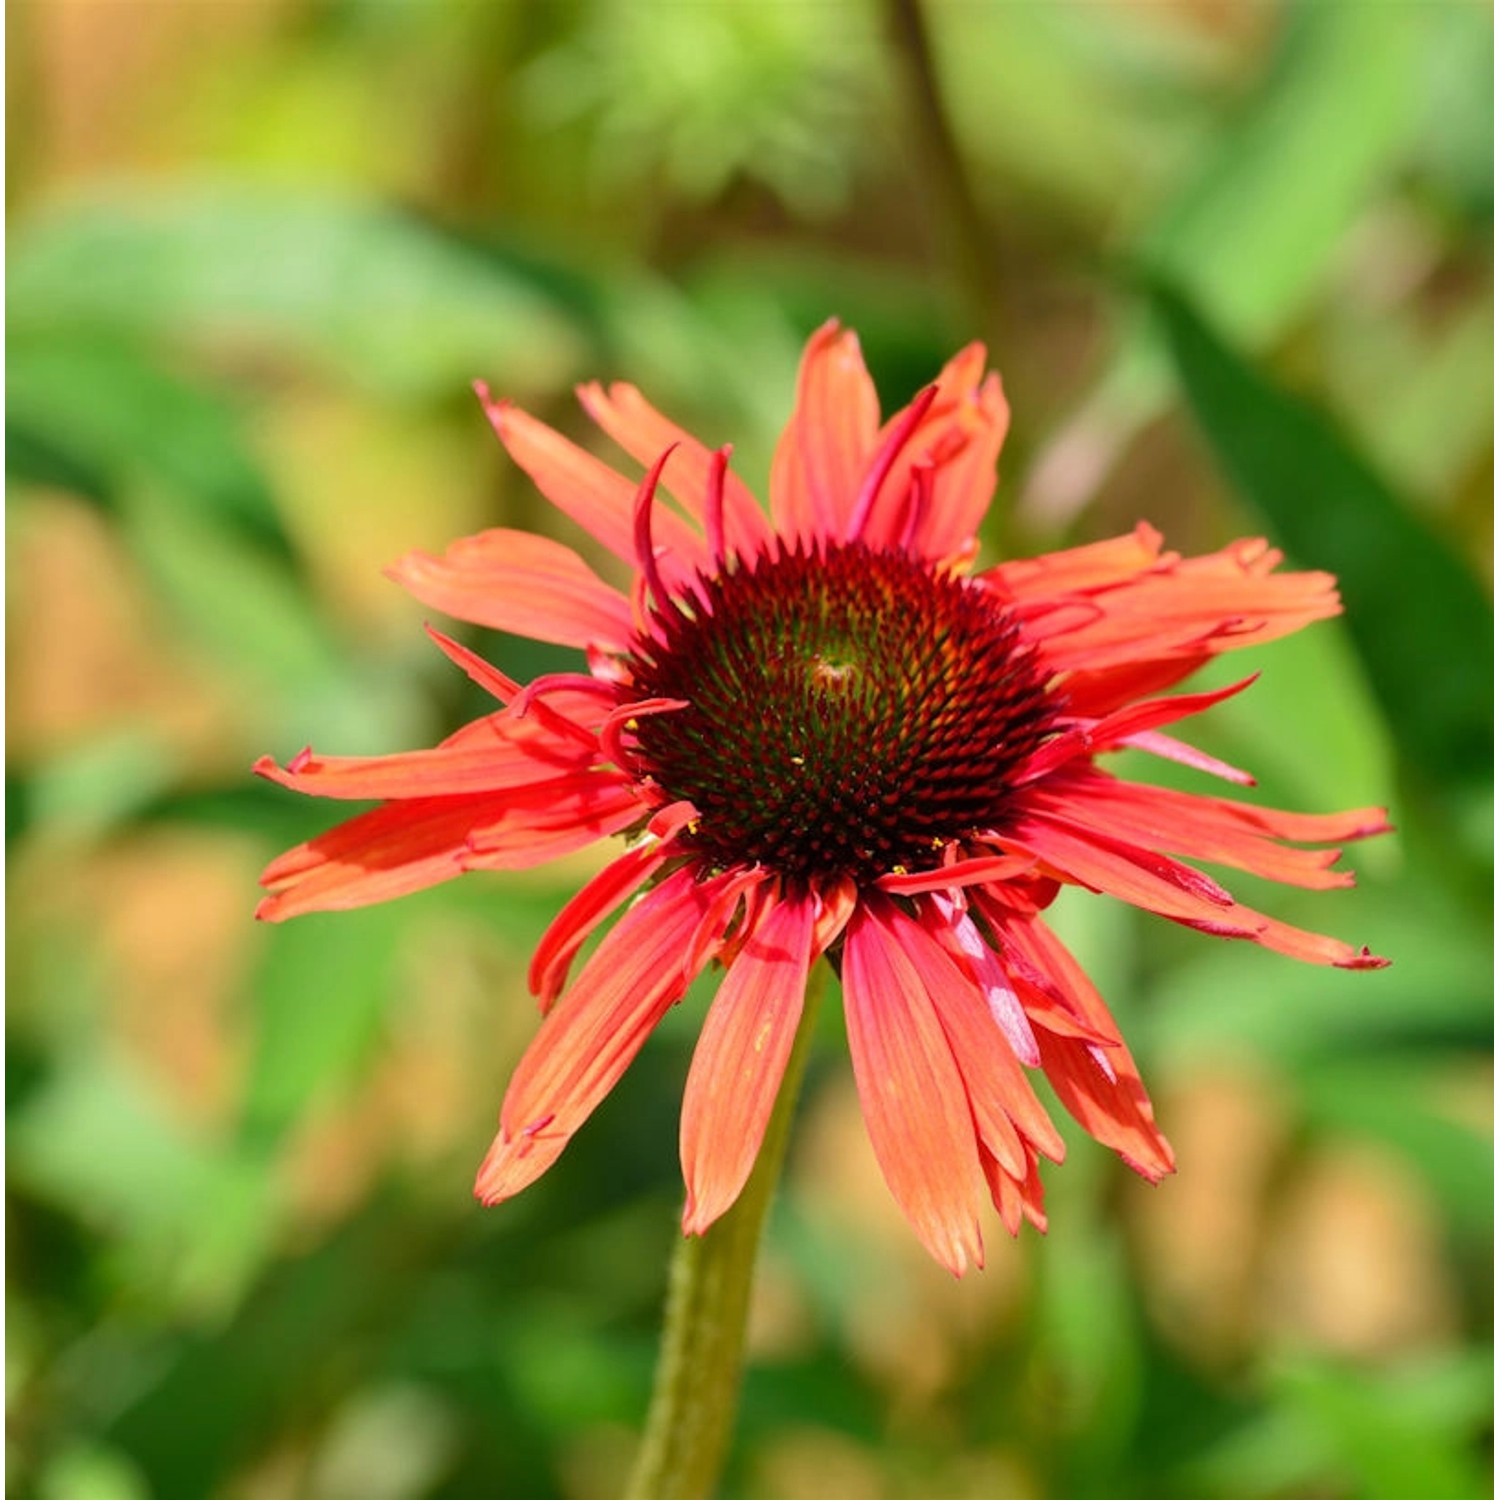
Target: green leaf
[(1398, 1103), (105, 413), (187, 1224), (1392, 1451), (320, 999), (1250, 235), (375, 295), (1418, 617)]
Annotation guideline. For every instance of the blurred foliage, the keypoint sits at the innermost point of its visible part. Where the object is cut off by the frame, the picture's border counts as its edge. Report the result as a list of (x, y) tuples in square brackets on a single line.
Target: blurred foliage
[(1235, 265)]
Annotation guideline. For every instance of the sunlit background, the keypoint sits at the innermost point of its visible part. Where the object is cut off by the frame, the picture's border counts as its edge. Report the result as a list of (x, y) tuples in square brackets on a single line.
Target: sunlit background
[(1233, 259)]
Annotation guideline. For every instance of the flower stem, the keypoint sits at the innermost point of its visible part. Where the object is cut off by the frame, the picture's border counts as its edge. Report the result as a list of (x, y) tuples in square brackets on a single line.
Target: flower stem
[(708, 1295)]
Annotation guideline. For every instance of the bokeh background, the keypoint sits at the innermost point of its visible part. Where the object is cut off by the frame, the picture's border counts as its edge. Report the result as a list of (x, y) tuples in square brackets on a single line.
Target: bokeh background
[(1234, 259)]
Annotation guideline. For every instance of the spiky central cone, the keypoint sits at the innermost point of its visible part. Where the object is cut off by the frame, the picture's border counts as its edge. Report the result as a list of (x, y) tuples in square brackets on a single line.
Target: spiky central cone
[(850, 712)]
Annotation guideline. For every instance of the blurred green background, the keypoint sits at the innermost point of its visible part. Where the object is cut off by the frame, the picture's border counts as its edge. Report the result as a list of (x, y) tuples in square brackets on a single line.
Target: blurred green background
[(1234, 260)]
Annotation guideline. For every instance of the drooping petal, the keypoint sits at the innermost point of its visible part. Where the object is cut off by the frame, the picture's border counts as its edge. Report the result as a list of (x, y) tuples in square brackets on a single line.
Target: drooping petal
[(592, 1034), (1152, 742), (1098, 1085), (911, 1094), (826, 445), (1118, 869), (741, 1055), (1015, 1199), (525, 584), (644, 433), (593, 904), (1000, 1095), (1294, 942), (1208, 828), (961, 940), (1090, 736)]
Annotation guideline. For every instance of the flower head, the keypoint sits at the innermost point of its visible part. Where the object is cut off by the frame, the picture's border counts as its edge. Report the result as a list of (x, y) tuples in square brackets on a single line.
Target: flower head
[(820, 732)]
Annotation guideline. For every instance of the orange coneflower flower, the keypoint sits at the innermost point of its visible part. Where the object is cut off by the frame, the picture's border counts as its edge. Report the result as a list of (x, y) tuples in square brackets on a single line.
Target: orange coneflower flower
[(822, 733)]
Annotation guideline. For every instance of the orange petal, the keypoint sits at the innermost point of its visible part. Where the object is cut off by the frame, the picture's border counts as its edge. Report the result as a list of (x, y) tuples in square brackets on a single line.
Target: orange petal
[(525, 584), (1180, 822), (740, 1058), (960, 436), (570, 817), (644, 433), (592, 1035), (570, 928), (404, 847), (1000, 1094), (469, 767), (911, 1093), (1015, 1199), (1098, 1086), (1080, 569), (828, 442), (580, 486), (1091, 859)]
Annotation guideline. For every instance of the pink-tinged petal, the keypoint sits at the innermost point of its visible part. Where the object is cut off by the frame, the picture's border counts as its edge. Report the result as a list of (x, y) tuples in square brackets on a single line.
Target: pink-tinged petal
[(1090, 736), (912, 1094), (592, 1034), (1000, 1095), (829, 441), (580, 486), (645, 434), (1098, 1086), (1117, 869), (740, 1058), (570, 929), (1045, 1001), (528, 585), (1152, 742), (1200, 827), (957, 935)]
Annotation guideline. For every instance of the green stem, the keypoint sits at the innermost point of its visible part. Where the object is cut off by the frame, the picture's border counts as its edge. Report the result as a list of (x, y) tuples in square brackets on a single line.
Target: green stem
[(968, 239), (698, 1370)]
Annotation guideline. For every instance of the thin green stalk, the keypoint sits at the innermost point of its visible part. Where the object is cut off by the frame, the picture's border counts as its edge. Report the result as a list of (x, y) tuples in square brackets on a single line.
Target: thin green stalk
[(698, 1370), (968, 239)]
